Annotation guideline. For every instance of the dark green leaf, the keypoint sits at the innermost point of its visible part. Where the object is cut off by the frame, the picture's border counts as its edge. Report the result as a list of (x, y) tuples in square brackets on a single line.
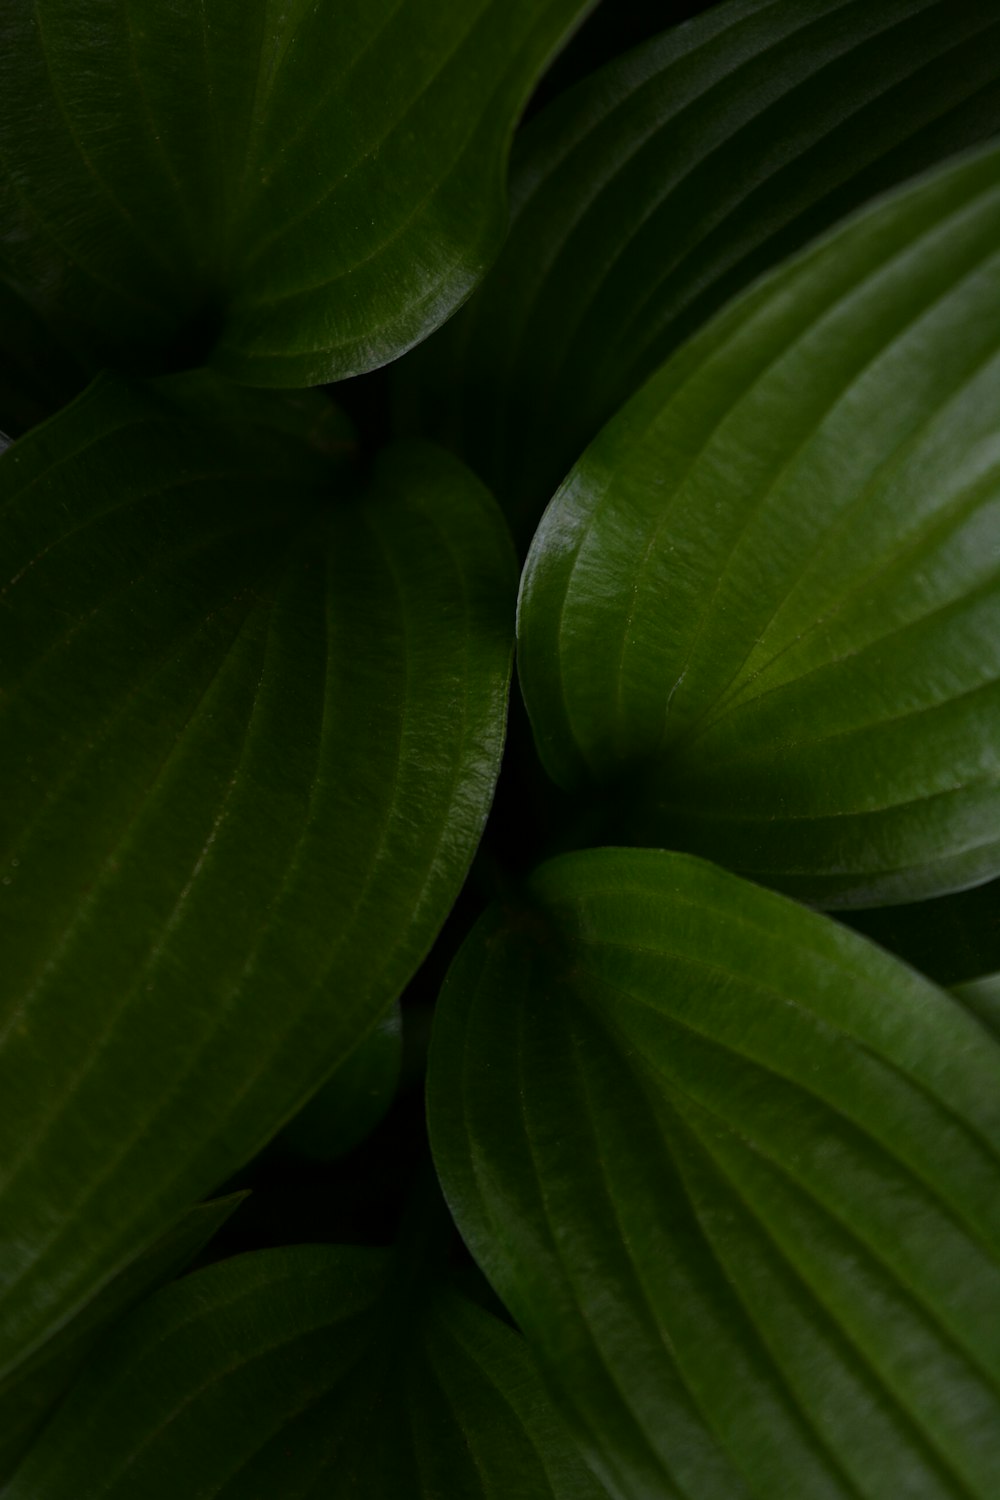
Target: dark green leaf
[(982, 996), (301, 190), (658, 188), (298, 1373), (353, 1101), (36, 375), (736, 1173), (250, 723), (764, 609), (28, 1395), (955, 941)]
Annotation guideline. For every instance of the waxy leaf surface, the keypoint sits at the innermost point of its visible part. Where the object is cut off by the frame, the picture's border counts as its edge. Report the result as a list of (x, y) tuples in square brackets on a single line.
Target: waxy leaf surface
[(651, 193), (300, 191), (763, 611), (736, 1174), (305, 1373), (250, 721)]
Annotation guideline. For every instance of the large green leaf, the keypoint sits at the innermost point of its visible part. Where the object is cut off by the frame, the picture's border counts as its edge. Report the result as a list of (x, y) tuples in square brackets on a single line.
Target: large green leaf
[(28, 1395), (763, 609), (736, 1173), (303, 190), (647, 196), (308, 1372), (250, 723)]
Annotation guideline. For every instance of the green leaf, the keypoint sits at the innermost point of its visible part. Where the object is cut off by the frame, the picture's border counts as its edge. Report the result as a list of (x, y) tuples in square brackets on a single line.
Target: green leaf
[(298, 191), (763, 610), (654, 191), (351, 1103), (955, 941), (302, 1372), (29, 1394), (736, 1174), (982, 997), (250, 722)]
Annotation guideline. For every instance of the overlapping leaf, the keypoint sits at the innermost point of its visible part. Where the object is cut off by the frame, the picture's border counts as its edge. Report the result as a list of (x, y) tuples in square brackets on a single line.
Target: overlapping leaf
[(764, 608), (952, 940), (982, 997), (301, 190), (250, 722), (661, 186), (353, 1101), (735, 1172), (303, 1372), (28, 1395)]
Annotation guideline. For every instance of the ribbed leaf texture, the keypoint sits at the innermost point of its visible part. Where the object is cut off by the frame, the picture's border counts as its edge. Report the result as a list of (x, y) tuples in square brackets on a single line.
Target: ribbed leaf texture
[(735, 1172), (763, 611), (298, 191), (301, 1373), (662, 185), (251, 717)]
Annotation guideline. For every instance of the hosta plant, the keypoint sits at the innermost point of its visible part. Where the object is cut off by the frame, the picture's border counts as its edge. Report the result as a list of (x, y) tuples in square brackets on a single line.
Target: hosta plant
[(500, 750)]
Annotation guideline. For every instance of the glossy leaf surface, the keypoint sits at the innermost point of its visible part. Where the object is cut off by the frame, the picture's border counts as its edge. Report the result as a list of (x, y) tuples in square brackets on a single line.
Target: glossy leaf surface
[(250, 723), (301, 1373), (658, 188), (735, 1173), (764, 608), (27, 1395), (301, 190)]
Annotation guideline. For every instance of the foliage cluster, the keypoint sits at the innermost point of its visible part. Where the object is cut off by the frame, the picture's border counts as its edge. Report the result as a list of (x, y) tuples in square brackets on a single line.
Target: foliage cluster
[(691, 942)]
